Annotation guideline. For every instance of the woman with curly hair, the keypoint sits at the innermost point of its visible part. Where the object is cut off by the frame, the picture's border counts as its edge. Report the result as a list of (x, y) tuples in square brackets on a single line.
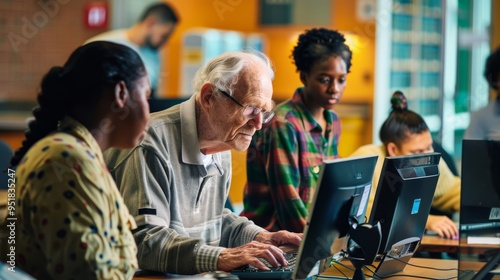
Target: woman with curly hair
[(284, 158)]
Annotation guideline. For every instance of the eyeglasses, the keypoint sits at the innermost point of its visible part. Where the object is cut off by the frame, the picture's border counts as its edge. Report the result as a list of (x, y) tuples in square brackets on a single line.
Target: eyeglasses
[(250, 111)]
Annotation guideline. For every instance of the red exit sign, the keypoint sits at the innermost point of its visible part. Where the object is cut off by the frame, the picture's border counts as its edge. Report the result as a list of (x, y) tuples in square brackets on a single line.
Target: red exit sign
[(96, 15)]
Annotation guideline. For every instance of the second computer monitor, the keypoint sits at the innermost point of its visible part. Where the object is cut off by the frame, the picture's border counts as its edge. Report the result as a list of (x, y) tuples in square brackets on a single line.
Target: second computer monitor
[(480, 209), (480, 199), (341, 197), (402, 203)]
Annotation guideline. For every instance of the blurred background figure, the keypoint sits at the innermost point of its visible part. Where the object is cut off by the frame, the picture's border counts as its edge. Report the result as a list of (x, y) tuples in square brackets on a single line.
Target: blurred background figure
[(147, 36), (485, 123)]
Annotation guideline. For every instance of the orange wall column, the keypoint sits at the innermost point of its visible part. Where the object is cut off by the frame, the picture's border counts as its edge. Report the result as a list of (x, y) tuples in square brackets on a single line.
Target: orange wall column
[(495, 24)]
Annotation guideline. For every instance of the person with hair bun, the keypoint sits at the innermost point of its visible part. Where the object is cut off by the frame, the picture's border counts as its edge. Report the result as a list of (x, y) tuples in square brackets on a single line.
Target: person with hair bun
[(405, 132), (71, 220), (284, 158)]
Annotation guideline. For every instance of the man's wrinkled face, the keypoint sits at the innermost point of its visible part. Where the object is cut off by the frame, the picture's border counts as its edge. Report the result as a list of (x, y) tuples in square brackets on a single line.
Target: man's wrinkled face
[(254, 87)]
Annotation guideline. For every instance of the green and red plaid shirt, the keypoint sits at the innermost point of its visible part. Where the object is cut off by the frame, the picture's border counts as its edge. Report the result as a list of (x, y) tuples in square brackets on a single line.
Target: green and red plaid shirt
[(283, 163)]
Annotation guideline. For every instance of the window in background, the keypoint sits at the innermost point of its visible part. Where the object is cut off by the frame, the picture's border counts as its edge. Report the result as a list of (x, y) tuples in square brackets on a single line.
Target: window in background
[(433, 51)]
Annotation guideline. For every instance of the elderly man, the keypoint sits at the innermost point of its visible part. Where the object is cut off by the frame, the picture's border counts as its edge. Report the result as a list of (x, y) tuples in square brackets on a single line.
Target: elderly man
[(176, 181)]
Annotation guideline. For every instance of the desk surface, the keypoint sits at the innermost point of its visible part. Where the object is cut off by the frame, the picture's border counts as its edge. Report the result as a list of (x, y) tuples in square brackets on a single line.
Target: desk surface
[(429, 243), (420, 267), (449, 265), (434, 243)]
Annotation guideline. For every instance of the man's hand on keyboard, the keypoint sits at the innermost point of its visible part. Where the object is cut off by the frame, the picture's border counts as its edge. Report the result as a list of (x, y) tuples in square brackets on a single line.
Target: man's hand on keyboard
[(249, 254), (279, 238)]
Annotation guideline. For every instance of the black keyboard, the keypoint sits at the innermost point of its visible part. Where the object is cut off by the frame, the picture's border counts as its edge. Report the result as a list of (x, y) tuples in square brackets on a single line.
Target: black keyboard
[(284, 272)]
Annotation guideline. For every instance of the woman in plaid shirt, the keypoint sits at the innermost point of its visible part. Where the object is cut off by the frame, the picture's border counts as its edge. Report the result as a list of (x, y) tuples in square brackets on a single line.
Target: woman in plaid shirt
[(284, 158)]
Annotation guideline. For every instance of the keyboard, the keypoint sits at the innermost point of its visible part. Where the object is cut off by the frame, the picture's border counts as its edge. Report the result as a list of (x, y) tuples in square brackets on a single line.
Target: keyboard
[(479, 226), (283, 272), (466, 275)]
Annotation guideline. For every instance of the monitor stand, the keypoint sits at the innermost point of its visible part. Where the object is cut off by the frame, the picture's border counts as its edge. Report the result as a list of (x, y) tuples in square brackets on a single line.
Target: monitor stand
[(398, 257), (363, 246)]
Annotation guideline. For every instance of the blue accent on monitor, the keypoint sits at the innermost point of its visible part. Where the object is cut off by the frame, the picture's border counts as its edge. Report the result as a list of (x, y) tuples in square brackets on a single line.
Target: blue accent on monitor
[(416, 206)]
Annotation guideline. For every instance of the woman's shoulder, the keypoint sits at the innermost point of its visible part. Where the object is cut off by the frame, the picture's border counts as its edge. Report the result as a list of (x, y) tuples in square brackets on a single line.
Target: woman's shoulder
[(288, 111), (369, 149), (59, 146)]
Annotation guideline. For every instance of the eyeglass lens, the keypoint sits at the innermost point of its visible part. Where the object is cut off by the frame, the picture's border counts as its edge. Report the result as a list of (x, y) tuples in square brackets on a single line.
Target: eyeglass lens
[(252, 111)]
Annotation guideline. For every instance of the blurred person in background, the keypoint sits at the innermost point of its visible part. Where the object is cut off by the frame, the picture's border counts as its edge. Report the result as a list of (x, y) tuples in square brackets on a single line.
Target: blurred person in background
[(147, 36), (485, 123)]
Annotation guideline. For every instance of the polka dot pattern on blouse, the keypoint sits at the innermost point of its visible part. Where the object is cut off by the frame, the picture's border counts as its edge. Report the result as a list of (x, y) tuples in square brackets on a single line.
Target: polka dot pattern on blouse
[(72, 219)]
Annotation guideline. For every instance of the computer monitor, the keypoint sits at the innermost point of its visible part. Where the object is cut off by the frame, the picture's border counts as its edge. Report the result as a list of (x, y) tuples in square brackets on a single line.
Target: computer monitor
[(342, 194), (402, 203), (480, 193), (480, 210)]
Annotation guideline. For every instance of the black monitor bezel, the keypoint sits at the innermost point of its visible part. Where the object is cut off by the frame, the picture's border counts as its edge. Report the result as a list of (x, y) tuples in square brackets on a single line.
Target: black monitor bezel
[(391, 184), (322, 230)]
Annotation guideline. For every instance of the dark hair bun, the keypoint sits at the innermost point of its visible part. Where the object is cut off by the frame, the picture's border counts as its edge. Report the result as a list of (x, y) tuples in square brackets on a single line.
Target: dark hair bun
[(398, 101)]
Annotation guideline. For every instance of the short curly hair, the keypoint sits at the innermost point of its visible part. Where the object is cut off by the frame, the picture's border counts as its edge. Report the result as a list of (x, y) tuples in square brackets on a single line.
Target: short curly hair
[(492, 69), (319, 44)]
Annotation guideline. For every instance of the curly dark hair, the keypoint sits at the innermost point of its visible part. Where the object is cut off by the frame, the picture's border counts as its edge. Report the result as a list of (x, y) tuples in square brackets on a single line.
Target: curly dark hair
[(492, 69), (319, 44), (401, 121)]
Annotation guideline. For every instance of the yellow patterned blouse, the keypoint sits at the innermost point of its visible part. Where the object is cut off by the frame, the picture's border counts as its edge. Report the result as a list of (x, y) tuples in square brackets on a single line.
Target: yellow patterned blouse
[(72, 222)]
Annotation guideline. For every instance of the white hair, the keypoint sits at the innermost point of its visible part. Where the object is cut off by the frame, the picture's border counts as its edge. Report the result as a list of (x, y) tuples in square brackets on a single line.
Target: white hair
[(223, 70)]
